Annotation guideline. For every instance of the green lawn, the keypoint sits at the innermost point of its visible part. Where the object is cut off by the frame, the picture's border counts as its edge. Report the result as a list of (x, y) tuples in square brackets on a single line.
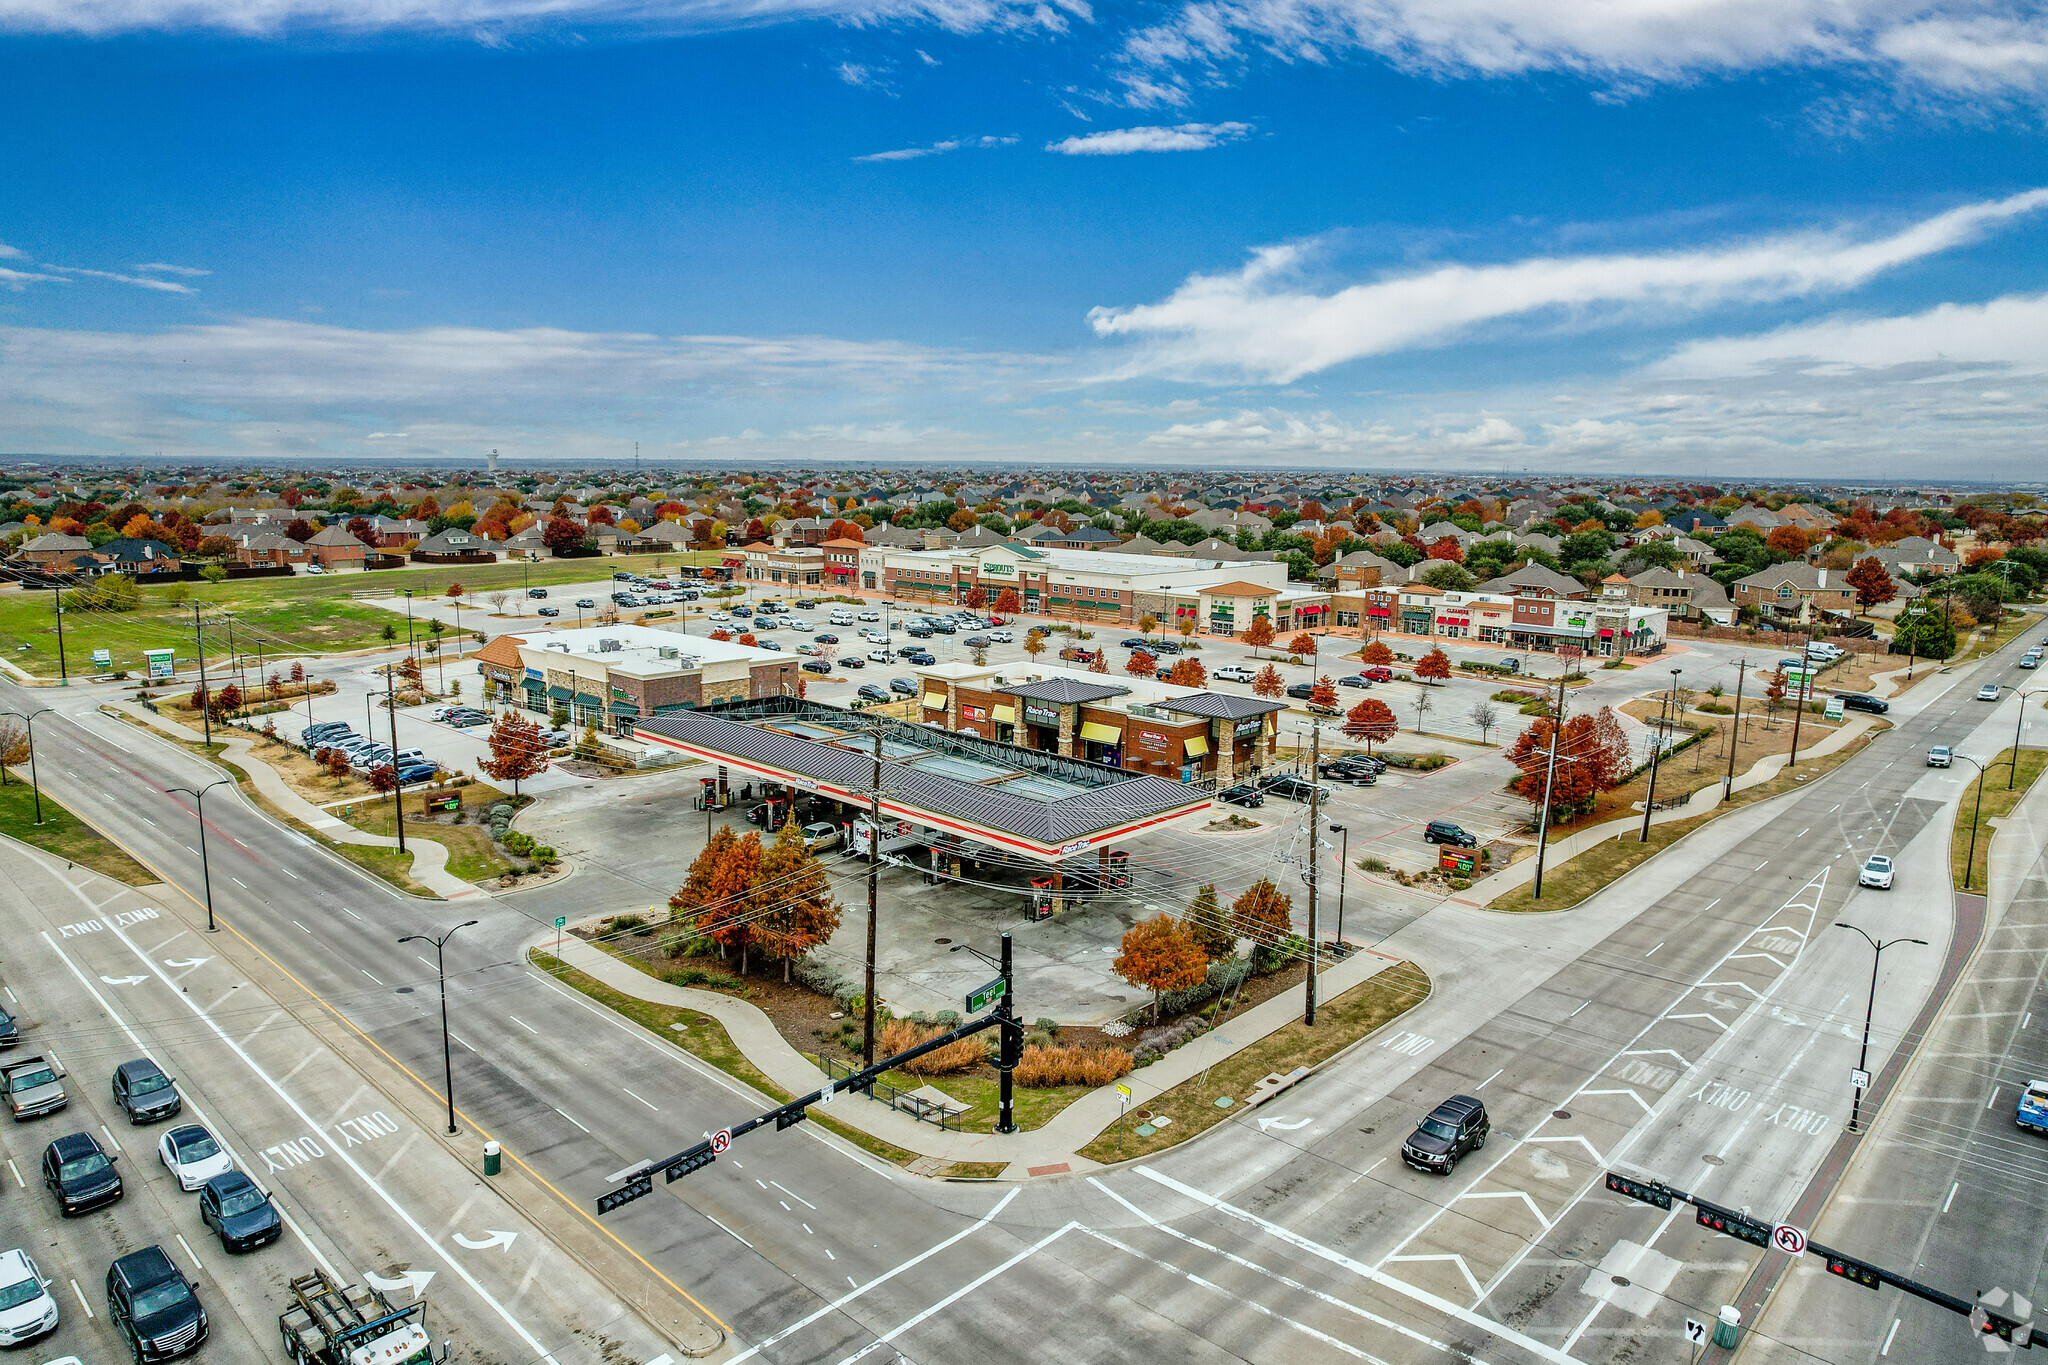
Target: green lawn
[(65, 835), (305, 614), (1999, 798)]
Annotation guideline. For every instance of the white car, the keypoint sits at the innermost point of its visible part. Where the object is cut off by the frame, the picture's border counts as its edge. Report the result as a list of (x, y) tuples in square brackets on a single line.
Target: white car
[(1988, 692), (191, 1154), (26, 1309), (1940, 757), (719, 616), (1234, 673), (881, 656), (1002, 637), (870, 616), (874, 637), (797, 623), (820, 835), (1877, 872)]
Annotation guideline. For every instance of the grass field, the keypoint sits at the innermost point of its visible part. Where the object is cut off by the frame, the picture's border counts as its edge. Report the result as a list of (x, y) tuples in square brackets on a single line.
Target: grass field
[(471, 855), (1998, 802), (65, 835), (1339, 1023), (275, 615)]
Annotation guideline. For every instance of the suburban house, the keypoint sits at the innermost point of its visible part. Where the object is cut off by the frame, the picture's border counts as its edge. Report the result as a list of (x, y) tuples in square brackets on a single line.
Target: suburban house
[(268, 550), (1796, 591), (454, 546), (1688, 596), (334, 548)]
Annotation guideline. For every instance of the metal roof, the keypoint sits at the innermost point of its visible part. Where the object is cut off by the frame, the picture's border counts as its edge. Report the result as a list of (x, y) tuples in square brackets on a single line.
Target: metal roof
[(1062, 819), (1060, 691), (1222, 705)]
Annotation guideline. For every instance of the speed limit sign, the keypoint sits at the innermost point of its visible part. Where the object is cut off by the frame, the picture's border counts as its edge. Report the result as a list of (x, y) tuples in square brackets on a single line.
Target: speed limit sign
[(1785, 1237), (722, 1139)]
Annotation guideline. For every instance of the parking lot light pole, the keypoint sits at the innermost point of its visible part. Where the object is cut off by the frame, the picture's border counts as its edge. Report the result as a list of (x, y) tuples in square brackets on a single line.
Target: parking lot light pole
[(1657, 752), (1877, 947), (28, 719), (205, 873), (441, 970)]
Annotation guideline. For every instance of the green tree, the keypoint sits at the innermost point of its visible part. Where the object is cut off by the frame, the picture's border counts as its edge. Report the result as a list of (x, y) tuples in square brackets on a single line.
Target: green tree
[(1209, 926)]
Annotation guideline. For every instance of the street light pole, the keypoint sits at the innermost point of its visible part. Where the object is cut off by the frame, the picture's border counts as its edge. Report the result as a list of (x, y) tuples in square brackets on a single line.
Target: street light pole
[(441, 970), (1343, 832), (1734, 729), (28, 719), (1657, 752), (1549, 777), (2019, 722), (205, 871), (1863, 1058), (1983, 771)]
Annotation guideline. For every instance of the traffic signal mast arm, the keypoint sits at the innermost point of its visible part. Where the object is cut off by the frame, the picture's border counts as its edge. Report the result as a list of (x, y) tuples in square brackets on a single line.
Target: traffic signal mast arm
[(696, 1158), (1983, 1312)]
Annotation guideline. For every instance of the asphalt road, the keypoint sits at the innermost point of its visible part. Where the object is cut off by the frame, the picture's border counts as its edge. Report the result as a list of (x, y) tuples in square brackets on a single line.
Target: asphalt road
[(1265, 1241)]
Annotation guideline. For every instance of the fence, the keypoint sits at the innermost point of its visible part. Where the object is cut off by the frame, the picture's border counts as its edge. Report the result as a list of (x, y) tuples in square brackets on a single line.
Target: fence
[(921, 1109)]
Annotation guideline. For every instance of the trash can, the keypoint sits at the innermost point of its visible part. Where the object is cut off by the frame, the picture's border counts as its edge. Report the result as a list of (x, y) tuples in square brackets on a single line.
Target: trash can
[(1727, 1328), (492, 1161)]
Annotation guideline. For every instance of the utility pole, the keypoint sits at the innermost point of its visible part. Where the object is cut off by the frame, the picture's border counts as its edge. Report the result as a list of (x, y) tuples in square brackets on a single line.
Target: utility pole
[(1799, 711), (205, 697), (1657, 752), (1549, 779), (63, 672), (1315, 791), (867, 1046), (234, 655), (1734, 729), (397, 802)]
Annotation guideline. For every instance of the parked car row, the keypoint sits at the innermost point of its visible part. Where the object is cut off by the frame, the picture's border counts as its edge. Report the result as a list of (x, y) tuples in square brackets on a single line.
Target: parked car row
[(367, 755)]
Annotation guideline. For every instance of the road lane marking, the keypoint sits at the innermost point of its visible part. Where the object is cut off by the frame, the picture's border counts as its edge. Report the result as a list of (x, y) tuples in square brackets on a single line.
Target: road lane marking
[(734, 1235), (81, 1299), (655, 1108), (523, 1024), (302, 927), (1887, 1350), (962, 1292), (1951, 1196), (423, 961), (1490, 1079), (565, 1114), (367, 972), (196, 1265), (794, 1195), (1582, 1005), (287, 872), (1653, 951), (883, 1278), (15, 1171)]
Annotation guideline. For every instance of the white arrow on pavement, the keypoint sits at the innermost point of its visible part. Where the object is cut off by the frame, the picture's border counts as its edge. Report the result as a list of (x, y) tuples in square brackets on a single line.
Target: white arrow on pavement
[(415, 1280), (495, 1239), (1283, 1125), (191, 962), (123, 980)]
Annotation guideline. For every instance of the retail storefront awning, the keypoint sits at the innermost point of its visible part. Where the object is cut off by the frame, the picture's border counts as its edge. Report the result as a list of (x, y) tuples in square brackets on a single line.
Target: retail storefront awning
[(935, 700), (559, 693), (586, 699), (1098, 733), (1003, 715), (624, 708), (1194, 746)]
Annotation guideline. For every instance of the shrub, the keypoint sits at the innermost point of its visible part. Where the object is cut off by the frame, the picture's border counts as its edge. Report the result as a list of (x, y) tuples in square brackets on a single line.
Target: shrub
[(619, 924), (900, 1034), (822, 977), (1421, 763), (1714, 708), (545, 855), (1071, 1064), (1272, 959), (698, 976), (1048, 1026)]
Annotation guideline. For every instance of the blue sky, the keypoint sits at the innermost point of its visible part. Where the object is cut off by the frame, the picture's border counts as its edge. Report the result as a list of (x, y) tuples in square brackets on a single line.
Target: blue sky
[(1713, 237)]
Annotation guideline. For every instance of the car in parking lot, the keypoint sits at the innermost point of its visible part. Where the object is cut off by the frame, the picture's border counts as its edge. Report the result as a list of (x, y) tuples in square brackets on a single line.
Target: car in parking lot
[(903, 686), (881, 656), (826, 639), (1508, 663), (820, 835), (1354, 680), (1293, 788), (977, 642), (191, 1154), (1233, 673), (10, 1032), (144, 1092), (1343, 770), (869, 615), (549, 611), (798, 623), (816, 666), (768, 644), (416, 772), (1301, 691), (536, 592), (153, 1306), (905, 651), (1940, 756), (1380, 673), (923, 658), (872, 692), (1455, 1127), (1988, 692), (1001, 637), (27, 1310), (80, 1173), (1877, 872), (1243, 794), (1444, 832), (852, 661)]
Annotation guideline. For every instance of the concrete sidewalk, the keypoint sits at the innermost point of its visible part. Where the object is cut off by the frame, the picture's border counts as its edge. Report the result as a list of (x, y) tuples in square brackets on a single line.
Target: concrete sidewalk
[(429, 859), (1058, 1143)]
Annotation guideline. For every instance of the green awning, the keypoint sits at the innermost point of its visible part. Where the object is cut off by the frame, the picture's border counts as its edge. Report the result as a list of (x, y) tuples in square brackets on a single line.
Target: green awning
[(532, 684), (586, 699), (558, 692), (624, 708)]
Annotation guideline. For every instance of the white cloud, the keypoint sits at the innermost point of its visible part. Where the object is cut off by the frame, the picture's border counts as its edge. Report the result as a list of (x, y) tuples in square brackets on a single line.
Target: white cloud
[(1187, 137), (160, 268), (15, 281), (10, 253), (2009, 331), (1261, 323), (139, 281), (1494, 433), (1968, 47), (484, 20), (936, 148)]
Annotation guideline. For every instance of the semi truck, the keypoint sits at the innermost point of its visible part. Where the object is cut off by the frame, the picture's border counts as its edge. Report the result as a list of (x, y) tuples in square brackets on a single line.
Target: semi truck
[(330, 1324), (35, 1086)]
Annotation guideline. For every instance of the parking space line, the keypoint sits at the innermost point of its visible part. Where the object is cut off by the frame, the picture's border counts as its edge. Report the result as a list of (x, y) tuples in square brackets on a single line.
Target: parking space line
[(81, 1299), (15, 1171)]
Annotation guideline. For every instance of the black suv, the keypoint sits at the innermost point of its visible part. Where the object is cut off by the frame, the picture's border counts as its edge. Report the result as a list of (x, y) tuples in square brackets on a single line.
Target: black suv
[(1348, 770), (1444, 832), (1293, 788), (80, 1173), (1862, 701), (144, 1092), (153, 1306), (10, 1032), (1450, 1130), (1242, 795)]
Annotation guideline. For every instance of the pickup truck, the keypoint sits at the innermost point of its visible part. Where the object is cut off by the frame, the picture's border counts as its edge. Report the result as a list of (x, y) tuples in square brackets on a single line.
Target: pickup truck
[(2032, 1111), (35, 1086)]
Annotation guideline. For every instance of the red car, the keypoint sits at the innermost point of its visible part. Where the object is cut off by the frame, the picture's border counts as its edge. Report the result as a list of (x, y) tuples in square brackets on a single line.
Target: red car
[(1380, 674)]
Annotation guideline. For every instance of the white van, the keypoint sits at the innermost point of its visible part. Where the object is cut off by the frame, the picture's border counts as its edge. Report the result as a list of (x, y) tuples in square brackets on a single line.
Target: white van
[(841, 617)]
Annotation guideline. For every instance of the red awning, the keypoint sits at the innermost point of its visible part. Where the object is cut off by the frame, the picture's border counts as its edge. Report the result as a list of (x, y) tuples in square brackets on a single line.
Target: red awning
[(1607, 632)]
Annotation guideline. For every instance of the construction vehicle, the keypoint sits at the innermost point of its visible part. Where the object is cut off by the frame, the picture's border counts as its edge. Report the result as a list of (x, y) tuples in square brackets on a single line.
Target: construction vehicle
[(330, 1324)]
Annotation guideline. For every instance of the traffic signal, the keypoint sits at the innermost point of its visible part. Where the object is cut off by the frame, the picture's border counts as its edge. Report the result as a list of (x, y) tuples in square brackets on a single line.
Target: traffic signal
[(1730, 1223), (789, 1118), (2009, 1317), (625, 1194), (695, 1161), (1853, 1270), (1648, 1191)]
